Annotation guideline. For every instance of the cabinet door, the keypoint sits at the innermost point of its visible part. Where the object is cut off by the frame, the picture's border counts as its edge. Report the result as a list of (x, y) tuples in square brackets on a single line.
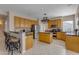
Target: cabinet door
[(49, 23), (45, 38), (54, 22), (29, 42), (59, 36), (59, 23), (26, 23), (16, 22), (34, 22), (72, 43), (22, 22), (30, 23), (63, 36)]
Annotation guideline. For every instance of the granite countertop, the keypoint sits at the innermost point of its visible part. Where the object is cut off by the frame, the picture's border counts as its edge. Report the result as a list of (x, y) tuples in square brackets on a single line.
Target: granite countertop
[(72, 35), (16, 32), (29, 33), (46, 32)]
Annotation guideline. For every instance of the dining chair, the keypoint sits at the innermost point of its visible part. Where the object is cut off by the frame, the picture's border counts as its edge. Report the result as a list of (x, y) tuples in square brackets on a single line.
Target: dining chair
[(15, 45), (6, 40), (10, 45)]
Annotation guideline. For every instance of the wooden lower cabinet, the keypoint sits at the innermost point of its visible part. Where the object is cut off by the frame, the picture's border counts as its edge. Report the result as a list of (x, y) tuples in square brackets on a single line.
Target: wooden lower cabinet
[(45, 37), (61, 36), (58, 35), (72, 43), (29, 42)]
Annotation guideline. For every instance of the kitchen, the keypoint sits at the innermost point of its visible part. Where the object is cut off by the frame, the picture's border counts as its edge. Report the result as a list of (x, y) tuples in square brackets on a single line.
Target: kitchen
[(27, 30)]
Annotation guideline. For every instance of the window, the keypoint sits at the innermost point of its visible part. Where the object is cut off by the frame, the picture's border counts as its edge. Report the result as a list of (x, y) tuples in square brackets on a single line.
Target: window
[(68, 26)]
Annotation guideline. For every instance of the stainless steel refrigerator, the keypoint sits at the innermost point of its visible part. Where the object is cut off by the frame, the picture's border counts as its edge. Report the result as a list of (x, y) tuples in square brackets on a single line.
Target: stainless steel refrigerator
[(35, 29)]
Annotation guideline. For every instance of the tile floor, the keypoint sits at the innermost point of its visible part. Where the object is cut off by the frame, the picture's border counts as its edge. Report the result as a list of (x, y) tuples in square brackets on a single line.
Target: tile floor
[(57, 47)]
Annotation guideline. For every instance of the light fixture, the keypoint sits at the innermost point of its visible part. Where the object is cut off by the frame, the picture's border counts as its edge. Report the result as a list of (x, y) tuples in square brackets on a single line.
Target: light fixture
[(45, 18)]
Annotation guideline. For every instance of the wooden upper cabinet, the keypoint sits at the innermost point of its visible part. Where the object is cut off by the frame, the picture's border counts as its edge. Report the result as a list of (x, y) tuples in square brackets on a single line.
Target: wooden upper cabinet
[(22, 22), (35, 22), (49, 24), (56, 22), (29, 23), (26, 23), (16, 22), (59, 23)]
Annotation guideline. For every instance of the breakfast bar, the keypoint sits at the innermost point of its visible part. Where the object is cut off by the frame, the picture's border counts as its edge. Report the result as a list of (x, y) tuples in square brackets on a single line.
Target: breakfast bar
[(26, 39)]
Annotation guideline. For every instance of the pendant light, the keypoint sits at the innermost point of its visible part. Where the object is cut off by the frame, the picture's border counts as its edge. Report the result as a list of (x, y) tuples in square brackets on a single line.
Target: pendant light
[(45, 18)]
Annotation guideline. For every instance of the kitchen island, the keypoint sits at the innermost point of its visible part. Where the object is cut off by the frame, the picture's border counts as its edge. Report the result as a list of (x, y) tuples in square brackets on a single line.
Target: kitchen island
[(72, 43), (45, 37)]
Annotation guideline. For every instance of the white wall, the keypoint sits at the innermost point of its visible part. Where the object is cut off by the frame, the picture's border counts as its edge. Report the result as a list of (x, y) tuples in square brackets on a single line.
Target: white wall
[(11, 20), (70, 18), (6, 24), (23, 15), (77, 18), (3, 13), (43, 26)]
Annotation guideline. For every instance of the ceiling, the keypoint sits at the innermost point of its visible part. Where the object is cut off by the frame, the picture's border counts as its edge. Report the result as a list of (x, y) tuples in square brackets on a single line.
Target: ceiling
[(37, 10)]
